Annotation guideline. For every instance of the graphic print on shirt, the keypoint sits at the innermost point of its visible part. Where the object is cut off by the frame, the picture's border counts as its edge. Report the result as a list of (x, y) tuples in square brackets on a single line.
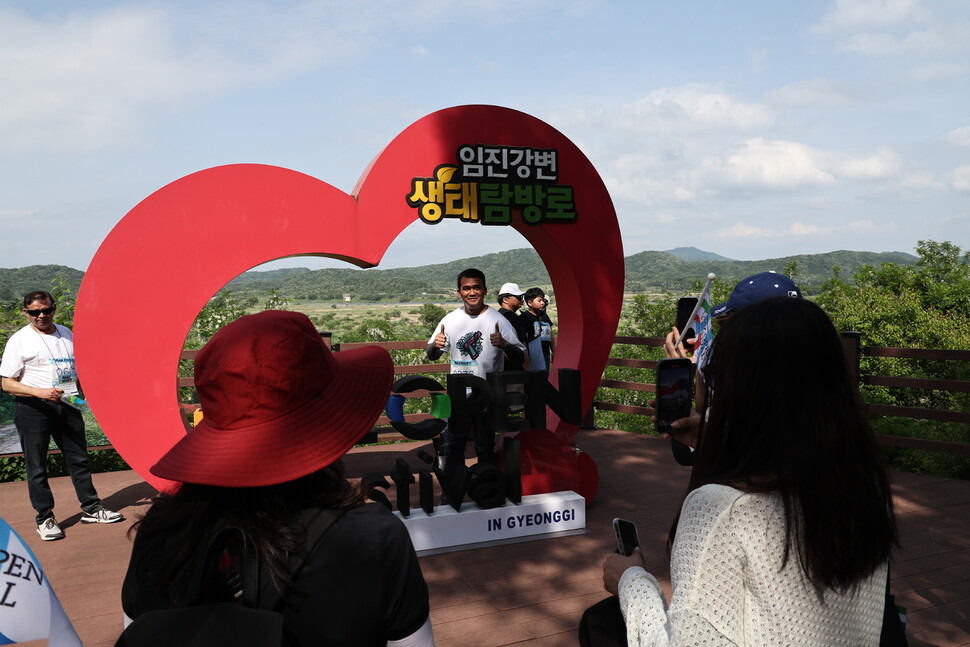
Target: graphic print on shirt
[(470, 344)]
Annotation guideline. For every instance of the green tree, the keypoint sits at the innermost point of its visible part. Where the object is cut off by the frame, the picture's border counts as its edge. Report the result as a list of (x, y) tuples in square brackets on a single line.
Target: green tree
[(222, 309), (276, 301), (926, 305), (430, 314)]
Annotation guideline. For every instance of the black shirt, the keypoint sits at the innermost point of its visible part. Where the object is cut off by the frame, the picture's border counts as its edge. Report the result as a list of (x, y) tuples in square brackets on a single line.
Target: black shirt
[(362, 585)]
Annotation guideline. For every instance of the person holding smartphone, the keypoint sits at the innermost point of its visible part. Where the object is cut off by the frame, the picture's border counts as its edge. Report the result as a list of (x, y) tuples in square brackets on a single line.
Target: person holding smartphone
[(750, 290), (785, 534)]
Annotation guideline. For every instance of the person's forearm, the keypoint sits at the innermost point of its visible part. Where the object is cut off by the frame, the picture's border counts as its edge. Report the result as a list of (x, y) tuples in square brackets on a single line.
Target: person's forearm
[(433, 352), (14, 387)]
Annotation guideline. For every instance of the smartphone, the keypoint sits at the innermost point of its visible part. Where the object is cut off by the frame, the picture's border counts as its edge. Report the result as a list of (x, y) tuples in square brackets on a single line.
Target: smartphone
[(675, 391), (685, 306), (626, 536)]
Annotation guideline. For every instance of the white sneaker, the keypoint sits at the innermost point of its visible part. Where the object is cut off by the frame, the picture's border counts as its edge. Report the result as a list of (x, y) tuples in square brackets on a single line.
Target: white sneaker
[(49, 530), (102, 515)]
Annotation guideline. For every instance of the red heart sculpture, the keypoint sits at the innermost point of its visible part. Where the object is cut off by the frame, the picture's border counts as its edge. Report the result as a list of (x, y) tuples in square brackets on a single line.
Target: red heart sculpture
[(166, 258)]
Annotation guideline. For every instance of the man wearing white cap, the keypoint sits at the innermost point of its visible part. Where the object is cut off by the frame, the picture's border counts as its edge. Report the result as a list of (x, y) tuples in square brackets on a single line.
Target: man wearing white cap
[(510, 300)]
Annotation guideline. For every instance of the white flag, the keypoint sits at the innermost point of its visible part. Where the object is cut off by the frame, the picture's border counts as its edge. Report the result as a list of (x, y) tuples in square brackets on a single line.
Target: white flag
[(29, 609)]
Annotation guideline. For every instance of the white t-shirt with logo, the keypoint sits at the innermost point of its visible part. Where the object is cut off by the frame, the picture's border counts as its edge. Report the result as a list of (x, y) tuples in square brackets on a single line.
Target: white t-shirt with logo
[(469, 343), (40, 361)]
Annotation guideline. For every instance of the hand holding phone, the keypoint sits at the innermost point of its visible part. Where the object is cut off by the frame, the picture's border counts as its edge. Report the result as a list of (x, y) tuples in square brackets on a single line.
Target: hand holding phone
[(675, 391), (685, 306), (626, 536)]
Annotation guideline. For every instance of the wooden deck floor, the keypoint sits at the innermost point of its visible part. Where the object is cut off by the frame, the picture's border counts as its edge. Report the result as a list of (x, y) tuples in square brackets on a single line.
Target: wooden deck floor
[(529, 593)]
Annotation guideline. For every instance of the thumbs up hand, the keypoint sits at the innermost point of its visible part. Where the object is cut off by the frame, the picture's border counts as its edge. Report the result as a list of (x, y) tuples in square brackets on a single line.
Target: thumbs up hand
[(496, 338), (441, 339)]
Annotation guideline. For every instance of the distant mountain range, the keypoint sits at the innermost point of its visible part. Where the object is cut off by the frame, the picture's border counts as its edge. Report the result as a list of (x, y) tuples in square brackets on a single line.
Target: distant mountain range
[(675, 270), (692, 255)]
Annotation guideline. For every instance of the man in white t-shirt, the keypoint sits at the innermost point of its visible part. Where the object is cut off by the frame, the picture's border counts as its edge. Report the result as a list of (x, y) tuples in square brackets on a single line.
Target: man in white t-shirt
[(38, 370), (478, 341)]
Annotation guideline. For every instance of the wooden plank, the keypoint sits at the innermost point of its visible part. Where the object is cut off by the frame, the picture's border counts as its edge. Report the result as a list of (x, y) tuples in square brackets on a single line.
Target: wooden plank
[(915, 353), (624, 408), (632, 363), (639, 341), (921, 443), (916, 412), (960, 386), (629, 386), (387, 345)]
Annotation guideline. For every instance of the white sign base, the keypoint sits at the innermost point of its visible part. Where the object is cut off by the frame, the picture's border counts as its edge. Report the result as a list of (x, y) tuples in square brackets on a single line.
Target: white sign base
[(538, 516)]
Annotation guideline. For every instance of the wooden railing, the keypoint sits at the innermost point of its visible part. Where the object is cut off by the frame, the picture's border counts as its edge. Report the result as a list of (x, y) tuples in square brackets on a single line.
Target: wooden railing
[(851, 342), (854, 351)]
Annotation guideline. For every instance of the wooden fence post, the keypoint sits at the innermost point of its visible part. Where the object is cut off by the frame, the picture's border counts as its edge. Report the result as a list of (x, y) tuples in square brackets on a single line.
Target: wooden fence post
[(851, 346)]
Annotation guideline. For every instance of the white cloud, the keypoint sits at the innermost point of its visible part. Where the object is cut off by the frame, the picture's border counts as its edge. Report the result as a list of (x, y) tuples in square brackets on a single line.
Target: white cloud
[(961, 178), (645, 190), (420, 52), (693, 107), (786, 165), (742, 230), (959, 137), (759, 60), (16, 214), (901, 28), (821, 93), (851, 15), (800, 229), (939, 71), (771, 164), (88, 80), (915, 42), (797, 229), (921, 181), (881, 165)]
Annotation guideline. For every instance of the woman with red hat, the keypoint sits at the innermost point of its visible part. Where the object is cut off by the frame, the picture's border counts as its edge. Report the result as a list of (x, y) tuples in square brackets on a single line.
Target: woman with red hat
[(280, 410)]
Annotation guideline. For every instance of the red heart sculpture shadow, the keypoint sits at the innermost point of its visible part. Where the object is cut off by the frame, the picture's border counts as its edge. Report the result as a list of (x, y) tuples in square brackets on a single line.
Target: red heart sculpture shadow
[(166, 258)]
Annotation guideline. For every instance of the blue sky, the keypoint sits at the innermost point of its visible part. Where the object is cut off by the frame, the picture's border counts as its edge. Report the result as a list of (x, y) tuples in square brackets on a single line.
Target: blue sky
[(753, 129)]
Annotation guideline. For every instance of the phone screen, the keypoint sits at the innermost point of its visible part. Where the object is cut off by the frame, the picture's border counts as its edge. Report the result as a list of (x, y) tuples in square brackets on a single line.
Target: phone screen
[(685, 306), (675, 391), (626, 536)]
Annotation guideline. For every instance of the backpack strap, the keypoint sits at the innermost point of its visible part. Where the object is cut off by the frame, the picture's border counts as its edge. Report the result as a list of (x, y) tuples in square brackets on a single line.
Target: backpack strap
[(316, 521), (242, 580)]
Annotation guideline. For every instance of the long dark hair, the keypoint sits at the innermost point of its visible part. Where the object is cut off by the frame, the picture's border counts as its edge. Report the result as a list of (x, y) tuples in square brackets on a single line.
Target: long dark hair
[(268, 515), (783, 415)]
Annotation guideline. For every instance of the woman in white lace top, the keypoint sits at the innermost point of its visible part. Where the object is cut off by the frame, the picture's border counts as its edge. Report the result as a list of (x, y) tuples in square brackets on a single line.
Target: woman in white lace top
[(785, 535)]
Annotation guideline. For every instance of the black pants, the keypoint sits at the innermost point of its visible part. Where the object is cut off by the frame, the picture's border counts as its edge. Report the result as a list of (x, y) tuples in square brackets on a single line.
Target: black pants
[(37, 422), (453, 447), (602, 625)]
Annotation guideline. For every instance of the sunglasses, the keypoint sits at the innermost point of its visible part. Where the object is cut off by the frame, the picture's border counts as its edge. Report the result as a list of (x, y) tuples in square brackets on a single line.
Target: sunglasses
[(33, 313)]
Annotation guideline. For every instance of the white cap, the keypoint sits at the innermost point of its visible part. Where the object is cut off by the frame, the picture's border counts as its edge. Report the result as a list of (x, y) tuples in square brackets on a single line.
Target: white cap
[(511, 288)]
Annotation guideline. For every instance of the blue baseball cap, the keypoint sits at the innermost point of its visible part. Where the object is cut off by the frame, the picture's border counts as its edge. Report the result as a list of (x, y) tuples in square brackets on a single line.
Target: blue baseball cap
[(758, 288)]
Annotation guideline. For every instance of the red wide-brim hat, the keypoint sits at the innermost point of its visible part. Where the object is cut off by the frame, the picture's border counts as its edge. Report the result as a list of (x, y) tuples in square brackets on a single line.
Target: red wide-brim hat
[(276, 403)]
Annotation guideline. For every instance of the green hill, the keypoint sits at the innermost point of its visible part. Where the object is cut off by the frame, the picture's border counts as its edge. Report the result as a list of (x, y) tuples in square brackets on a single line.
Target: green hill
[(692, 254), (645, 271), (16, 282)]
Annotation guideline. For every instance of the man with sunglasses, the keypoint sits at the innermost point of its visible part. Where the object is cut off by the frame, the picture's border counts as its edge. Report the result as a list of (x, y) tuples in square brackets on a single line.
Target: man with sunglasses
[(38, 370)]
